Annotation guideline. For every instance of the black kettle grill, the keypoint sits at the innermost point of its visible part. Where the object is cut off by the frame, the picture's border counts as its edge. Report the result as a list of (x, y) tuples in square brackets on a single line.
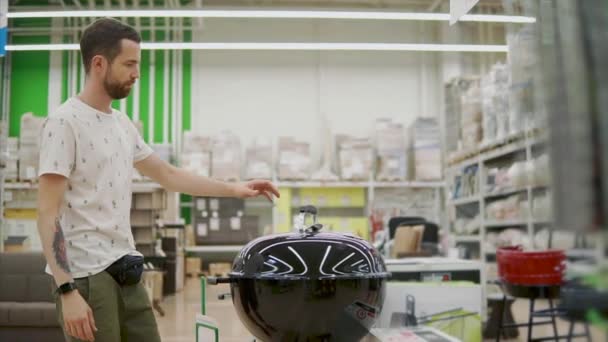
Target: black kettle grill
[(307, 285)]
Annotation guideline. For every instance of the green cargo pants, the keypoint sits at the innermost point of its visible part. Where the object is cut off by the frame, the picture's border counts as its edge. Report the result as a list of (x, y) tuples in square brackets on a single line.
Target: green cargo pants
[(122, 313)]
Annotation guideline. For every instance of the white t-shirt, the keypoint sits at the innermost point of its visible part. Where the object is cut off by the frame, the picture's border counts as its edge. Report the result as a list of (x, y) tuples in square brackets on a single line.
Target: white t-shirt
[(96, 152)]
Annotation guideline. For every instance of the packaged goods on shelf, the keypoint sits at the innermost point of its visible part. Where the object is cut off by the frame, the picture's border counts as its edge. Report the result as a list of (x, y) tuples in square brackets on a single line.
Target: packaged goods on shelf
[(522, 60), (495, 103), (519, 175), (294, 159), (259, 160), (542, 207), (195, 142), (453, 107), (541, 171), (355, 158), (29, 146), (197, 162), (404, 202), (467, 183), (425, 149), (10, 157), (467, 226), (226, 156), (510, 208), (471, 128), (559, 239), (196, 153), (507, 237), (390, 146)]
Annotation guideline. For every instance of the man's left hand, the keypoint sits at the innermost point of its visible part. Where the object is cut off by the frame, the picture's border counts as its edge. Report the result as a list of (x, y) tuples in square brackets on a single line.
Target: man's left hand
[(255, 188)]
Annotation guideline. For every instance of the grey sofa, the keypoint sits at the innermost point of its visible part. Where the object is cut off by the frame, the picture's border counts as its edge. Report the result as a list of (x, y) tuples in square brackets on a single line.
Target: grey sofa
[(27, 308)]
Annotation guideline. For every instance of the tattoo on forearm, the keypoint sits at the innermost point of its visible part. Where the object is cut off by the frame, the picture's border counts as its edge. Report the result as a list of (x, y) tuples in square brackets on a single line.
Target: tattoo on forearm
[(61, 255)]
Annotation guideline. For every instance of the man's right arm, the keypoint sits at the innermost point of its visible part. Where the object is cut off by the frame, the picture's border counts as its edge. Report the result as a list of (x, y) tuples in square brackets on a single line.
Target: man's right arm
[(77, 315), (50, 196)]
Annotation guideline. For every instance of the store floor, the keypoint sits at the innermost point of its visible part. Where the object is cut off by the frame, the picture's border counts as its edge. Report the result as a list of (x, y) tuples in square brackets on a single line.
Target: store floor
[(181, 309)]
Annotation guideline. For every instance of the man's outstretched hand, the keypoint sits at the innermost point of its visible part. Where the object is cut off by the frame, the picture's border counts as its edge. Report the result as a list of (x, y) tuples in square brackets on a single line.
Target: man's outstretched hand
[(255, 188)]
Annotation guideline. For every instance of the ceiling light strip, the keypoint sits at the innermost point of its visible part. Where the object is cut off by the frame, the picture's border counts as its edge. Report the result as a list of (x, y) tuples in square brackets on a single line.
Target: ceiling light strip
[(284, 46), (270, 14)]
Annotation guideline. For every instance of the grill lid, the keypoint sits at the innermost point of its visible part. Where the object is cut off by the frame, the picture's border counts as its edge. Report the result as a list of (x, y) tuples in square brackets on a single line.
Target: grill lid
[(309, 253)]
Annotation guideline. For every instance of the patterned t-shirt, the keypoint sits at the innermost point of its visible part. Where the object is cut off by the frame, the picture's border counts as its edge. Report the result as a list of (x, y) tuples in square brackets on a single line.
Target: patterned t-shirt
[(96, 152)]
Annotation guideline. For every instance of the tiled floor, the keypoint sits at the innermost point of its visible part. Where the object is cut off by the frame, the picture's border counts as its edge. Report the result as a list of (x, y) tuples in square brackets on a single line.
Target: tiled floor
[(180, 311)]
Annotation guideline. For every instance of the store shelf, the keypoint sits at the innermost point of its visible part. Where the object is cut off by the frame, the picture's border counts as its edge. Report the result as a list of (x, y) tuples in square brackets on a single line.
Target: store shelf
[(497, 149), (513, 191), (346, 184), (408, 184), (465, 200), (580, 253), (311, 184), (145, 187), (214, 249), (505, 223), (467, 238), (19, 185), (505, 193)]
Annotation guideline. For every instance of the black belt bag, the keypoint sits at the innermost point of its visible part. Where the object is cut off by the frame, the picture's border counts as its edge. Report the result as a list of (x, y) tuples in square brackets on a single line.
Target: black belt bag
[(127, 270)]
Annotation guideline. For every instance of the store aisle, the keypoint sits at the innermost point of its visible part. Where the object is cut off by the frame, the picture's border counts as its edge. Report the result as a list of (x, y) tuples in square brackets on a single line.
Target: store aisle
[(178, 323), (181, 309)]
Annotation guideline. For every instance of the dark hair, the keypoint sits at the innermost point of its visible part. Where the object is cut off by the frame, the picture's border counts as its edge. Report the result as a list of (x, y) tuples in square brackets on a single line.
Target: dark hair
[(103, 37)]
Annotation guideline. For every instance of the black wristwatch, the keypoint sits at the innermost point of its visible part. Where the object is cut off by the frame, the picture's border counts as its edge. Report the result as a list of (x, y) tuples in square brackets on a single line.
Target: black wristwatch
[(66, 288)]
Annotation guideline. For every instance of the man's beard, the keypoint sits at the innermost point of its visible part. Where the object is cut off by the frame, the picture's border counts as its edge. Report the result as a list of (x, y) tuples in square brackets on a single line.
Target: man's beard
[(116, 90)]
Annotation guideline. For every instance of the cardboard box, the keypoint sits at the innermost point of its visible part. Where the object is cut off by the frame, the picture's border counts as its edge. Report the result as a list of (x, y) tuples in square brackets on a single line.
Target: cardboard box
[(407, 240), (16, 244), (294, 159), (145, 249), (144, 235), (259, 161), (143, 218), (425, 150), (150, 200), (355, 157), (226, 157), (219, 268), (193, 266)]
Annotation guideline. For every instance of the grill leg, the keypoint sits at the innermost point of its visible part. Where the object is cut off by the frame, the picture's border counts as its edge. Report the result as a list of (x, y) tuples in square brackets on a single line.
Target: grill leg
[(530, 320), (587, 332), (555, 334), (500, 317), (571, 331)]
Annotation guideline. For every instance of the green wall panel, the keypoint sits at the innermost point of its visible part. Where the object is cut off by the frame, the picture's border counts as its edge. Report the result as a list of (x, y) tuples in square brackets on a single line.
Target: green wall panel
[(144, 91), (187, 85), (29, 81)]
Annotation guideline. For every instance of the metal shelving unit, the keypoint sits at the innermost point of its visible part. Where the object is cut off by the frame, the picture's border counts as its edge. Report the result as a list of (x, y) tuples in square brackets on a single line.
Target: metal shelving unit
[(520, 147), (5, 72), (516, 144)]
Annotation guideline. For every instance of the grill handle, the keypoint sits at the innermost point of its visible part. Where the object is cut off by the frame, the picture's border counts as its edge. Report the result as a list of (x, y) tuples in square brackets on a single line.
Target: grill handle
[(300, 220)]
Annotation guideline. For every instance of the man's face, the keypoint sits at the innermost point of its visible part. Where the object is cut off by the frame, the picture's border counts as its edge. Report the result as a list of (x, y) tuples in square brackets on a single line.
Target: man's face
[(123, 71)]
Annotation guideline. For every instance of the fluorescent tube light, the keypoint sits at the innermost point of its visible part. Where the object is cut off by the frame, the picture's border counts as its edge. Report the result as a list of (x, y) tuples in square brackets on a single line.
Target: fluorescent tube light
[(277, 14), (284, 46)]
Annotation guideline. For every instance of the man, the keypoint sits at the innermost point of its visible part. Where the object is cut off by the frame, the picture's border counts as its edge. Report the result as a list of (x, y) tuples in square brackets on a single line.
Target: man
[(87, 156)]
